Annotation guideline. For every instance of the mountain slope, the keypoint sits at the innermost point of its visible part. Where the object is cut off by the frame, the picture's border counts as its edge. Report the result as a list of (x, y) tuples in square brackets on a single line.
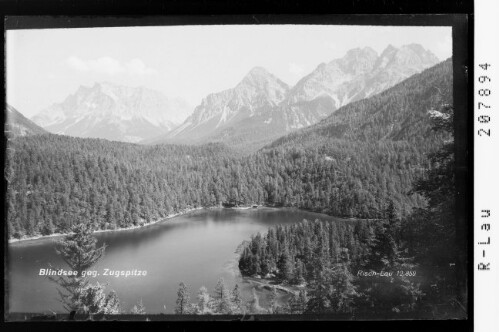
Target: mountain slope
[(18, 125), (114, 112), (262, 108), (361, 73), (350, 164), (220, 113), (399, 113)]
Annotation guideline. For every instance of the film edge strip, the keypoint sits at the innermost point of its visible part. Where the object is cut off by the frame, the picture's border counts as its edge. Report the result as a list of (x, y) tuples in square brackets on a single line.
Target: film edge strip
[(486, 77)]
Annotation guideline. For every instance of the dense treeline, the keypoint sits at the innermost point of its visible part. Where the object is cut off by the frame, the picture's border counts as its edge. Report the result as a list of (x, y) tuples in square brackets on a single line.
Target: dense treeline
[(330, 259), (298, 253), (57, 181), (382, 158), (221, 301), (331, 262)]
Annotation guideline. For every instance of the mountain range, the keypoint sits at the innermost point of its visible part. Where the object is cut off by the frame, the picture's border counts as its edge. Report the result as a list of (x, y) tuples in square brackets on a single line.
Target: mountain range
[(114, 112), (349, 164), (258, 110), (400, 113), (262, 108)]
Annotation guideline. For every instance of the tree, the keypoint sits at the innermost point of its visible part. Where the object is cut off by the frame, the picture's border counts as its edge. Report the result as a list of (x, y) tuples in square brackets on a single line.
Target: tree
[(183, 298), (298, 303), (293, 305), (222, 297), (95, 301), (273, 301), (79, 251), (384, 250), (343, 291), (237, 299), (220, 288), (302, 300), (204, 301), (285, 266), (394, 221), (319, 301), (112, 304), (298, 277), (48, 228), (442, 236), (225, 305), (138, 309)]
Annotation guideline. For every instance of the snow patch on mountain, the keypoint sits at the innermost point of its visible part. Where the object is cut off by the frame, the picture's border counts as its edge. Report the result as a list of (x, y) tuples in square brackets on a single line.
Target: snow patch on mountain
[(114, 112)]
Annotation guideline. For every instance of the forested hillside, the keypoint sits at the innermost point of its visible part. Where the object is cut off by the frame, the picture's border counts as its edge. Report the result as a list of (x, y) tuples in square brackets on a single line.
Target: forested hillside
[(349, 165), (398, 114), (422, 255), (56, 181)]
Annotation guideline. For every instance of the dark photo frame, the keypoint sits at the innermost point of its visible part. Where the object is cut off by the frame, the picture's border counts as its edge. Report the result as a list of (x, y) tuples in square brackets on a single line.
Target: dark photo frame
[(462, 57)]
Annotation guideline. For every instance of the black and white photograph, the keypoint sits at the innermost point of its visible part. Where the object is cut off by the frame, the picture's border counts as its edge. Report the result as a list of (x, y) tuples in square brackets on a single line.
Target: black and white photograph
[(237, 171)]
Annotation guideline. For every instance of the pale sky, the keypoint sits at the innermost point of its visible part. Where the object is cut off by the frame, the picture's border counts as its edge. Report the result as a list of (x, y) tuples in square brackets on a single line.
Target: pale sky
[(45, 66)]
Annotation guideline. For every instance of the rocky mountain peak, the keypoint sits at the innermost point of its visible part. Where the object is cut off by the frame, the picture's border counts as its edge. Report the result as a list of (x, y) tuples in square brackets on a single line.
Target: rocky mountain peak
[(259, 77), (258, 71), (360, 52), (115, 112), (260, 87), (358, 60), (388, 50), (407, 56), (360, 73), (424, 55)]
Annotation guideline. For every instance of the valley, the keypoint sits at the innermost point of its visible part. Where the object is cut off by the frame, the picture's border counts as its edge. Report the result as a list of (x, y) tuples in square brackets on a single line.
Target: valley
[(275, 194), (258, 110), (324, 168)]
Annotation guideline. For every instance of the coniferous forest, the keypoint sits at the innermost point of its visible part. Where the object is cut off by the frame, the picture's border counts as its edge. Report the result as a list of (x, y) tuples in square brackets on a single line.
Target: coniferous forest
[(57, 181), (387, 161)]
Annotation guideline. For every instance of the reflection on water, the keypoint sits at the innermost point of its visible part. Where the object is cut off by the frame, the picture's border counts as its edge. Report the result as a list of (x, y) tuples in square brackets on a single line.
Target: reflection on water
[(196, 248)]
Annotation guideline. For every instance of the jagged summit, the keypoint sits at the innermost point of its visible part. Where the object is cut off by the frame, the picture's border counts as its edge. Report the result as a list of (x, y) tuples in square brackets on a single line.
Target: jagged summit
[(262, 106), (358, 60), (361, 73), (259, 78), (257, 108), (115, 112), (412, 56), (360, 52), (389, 48), (258, 92), (419, 49), (258, 71), (257, 74)]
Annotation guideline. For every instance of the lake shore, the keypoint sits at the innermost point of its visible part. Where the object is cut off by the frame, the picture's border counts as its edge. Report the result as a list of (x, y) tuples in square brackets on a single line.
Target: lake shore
[(55, 235), (267, 285), (172, 251), (183, 212)]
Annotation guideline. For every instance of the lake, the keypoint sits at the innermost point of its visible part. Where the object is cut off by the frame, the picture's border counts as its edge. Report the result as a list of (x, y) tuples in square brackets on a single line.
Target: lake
[(196, 248)]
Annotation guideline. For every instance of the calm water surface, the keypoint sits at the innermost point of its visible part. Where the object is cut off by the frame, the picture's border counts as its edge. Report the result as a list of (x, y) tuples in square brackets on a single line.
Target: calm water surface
[(196, 248)]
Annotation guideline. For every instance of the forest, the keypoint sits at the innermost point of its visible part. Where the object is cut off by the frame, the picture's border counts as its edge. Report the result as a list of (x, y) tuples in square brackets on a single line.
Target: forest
[(382, 148), (334, 262), (387, 161), (56, 181)]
